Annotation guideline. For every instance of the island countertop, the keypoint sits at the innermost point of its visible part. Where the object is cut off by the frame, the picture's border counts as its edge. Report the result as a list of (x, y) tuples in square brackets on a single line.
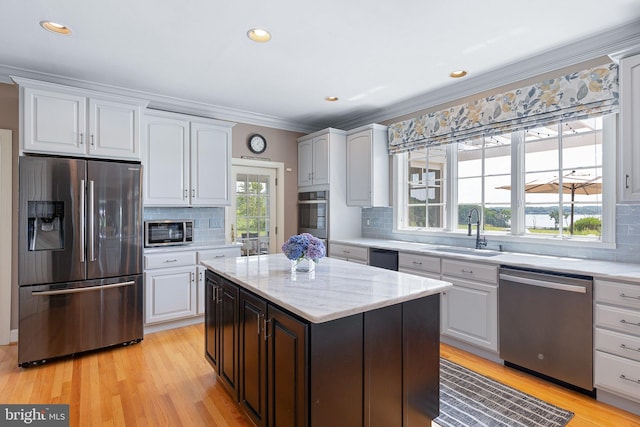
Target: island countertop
[(336, 288)]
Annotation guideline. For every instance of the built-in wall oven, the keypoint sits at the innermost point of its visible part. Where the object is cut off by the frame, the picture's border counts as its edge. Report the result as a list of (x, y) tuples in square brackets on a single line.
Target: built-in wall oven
[(313, 213)]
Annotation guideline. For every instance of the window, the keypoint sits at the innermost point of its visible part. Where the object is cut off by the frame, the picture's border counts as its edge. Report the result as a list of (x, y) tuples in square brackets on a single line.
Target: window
[(545, 182), (425, 189)]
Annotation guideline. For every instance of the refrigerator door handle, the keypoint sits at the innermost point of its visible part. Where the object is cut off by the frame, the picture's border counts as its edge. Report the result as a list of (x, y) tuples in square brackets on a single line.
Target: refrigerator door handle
[(91, 222), (77, 290), (82, 220)]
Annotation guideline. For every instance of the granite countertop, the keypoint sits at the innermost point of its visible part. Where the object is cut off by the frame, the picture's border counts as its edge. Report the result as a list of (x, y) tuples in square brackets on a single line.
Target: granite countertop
[(598, 269), (336, 288)]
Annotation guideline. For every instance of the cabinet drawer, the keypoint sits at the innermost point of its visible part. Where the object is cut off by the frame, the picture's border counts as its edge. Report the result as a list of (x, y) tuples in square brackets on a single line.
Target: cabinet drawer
[(620, 319), (617, 374), (617, 343), (218, 253), (169, 259), (625, 294), (419, 262), (470, 270), (351, 253)]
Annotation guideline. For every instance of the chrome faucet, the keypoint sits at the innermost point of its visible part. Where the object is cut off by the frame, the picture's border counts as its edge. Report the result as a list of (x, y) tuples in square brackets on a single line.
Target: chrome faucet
[(480, 243)]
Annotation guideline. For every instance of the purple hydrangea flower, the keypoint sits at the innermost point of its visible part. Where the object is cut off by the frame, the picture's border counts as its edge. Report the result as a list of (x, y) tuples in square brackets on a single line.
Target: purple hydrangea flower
[(304, 246)]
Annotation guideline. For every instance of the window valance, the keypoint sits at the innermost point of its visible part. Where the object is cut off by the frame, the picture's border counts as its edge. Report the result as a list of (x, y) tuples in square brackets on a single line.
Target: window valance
[(574, 96)]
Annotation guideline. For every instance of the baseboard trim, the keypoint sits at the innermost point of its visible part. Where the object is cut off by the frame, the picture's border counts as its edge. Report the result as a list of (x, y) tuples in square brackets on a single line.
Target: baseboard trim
[(157, 327)]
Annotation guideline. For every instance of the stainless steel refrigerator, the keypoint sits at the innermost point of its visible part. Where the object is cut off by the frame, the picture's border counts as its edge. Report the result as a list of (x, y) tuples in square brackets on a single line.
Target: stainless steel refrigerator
[(80, 256)]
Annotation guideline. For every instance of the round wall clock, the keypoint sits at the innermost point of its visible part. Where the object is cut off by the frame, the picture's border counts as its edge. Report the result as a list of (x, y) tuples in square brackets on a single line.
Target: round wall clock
[(257, 144)]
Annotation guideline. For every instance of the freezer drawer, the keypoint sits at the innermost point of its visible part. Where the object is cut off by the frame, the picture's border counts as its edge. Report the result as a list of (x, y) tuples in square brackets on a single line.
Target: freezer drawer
[(67, 318)]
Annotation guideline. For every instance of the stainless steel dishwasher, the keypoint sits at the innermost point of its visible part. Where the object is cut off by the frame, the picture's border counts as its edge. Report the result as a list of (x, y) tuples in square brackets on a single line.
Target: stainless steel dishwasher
[(546, 324)]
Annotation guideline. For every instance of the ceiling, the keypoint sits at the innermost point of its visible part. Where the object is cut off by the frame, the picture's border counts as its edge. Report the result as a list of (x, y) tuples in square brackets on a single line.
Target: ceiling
[(381, 58)]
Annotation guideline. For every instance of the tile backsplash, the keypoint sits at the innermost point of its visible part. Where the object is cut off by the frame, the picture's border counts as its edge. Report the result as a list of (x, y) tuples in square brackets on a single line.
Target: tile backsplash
[(208, 226), (377, 223)]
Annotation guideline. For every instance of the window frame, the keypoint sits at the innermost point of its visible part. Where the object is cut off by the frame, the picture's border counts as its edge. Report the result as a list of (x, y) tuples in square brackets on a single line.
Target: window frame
[(610, 148)]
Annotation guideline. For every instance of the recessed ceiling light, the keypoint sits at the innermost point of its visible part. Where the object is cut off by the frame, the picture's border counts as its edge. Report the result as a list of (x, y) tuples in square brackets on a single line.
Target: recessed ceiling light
[(331, 98), (458, 73), (55, 27), (259, 35)]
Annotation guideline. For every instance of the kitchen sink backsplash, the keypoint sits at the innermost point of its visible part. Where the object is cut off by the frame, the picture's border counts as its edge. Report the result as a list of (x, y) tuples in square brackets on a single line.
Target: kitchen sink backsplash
[(208, 224), (377, 223)]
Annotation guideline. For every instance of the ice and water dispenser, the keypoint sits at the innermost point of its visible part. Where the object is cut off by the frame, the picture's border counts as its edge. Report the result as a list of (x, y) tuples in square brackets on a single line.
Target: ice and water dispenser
[(45, 225)]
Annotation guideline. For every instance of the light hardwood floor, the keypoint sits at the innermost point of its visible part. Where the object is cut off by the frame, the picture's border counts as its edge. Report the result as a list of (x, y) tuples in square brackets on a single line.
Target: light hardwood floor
[(165, 381)]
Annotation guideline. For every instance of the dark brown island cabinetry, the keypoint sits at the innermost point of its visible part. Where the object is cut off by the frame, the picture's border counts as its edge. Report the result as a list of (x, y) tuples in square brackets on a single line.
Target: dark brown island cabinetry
[(378, 368)]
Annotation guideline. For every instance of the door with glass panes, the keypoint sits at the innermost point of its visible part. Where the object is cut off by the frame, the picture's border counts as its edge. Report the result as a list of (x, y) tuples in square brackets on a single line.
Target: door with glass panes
[(253, 213)]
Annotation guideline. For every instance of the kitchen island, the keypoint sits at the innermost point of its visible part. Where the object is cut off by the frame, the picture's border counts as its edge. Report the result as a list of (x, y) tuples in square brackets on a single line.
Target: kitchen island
[(344, 345)]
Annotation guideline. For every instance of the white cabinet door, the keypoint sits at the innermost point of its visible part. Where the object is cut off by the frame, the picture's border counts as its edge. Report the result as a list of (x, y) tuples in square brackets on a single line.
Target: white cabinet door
[(166, 162), (470, 312), (170, 294), (210, 164), (630, 127), (54, 122), (114, 129), (305, 163), (359, 169), (320, 173), (201, 293)]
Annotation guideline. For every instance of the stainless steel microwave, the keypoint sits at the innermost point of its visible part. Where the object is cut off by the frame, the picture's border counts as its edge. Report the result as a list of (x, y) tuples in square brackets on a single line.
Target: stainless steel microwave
[(167, 232)]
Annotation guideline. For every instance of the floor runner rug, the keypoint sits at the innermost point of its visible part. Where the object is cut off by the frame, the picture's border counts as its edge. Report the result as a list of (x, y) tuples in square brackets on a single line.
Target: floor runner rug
[(470, 399)]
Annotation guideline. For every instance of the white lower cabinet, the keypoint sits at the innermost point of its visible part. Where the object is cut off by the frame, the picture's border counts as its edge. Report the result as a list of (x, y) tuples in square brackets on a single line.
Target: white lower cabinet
[(617, 338), (469, 310), (170, 286), (174, 283), (420, 265), (357, 254), (171, 294)]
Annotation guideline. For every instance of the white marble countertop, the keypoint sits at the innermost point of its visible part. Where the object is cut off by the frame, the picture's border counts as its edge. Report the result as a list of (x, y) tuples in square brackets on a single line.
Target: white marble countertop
[(334, 290), (599, 269), (200, 246)]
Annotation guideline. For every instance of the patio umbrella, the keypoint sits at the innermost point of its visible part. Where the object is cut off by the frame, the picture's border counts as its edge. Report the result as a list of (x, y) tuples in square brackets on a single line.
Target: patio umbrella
[(572, 183)]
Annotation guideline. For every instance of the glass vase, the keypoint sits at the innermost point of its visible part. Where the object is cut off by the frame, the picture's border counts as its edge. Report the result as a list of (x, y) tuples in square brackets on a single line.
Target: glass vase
[(303, 265)]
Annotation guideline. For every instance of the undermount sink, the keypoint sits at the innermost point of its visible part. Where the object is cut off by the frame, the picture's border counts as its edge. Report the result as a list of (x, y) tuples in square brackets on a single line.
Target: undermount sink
[(468, 251)]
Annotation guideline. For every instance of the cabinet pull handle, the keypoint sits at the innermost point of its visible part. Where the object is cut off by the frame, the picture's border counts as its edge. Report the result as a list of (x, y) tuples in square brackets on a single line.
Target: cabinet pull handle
[(258, 322), (626, 181), (200, 273), (624, 377), (629, 296), (346, 252), (267, 335), (193, 277), (193, 193), (92, 141), (170, 260), (629, 323), (81, 138), (467, 271), (417, 262), (623, 346), (218, 297), (186, 193)]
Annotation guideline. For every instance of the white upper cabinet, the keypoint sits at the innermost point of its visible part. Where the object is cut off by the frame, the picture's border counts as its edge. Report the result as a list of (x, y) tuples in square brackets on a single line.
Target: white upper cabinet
[(210, 164), (368, 167), (186, 162), (630, 128), (62, 120), (313, 161)]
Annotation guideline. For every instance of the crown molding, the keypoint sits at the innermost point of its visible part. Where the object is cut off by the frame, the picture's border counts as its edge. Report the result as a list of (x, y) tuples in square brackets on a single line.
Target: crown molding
[(162, 102), (623, 41)]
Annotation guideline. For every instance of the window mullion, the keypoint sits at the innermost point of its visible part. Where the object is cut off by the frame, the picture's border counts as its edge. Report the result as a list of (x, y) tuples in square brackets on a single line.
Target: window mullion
[(517, 183)]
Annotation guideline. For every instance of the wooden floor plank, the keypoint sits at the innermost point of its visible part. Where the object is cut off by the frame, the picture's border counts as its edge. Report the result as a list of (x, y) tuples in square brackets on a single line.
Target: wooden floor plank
[(166, 381)]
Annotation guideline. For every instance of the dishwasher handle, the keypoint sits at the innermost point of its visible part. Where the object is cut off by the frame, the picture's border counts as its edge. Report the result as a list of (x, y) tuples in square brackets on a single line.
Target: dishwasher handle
[(543, 283)]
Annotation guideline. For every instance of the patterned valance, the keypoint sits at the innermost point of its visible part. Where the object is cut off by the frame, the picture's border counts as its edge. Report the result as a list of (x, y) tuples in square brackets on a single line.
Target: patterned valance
[(575, 96)]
